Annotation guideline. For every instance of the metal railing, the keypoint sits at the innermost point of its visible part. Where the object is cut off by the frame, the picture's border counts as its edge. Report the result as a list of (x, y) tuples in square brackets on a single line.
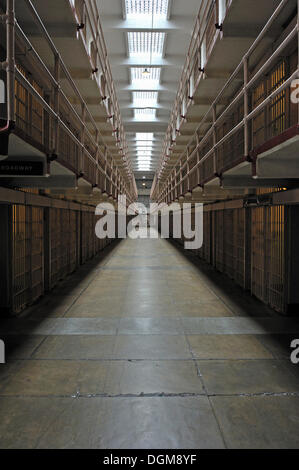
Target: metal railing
[(203, 38), (229, 136), (88, 18), (73, 139)]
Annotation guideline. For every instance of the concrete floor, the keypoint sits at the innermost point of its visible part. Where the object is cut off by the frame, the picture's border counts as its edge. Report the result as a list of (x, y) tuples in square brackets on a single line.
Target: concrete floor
[(149, 348)]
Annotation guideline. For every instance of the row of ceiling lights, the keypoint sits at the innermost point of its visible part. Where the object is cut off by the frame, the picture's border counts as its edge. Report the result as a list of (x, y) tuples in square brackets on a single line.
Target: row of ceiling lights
[(141, 46)]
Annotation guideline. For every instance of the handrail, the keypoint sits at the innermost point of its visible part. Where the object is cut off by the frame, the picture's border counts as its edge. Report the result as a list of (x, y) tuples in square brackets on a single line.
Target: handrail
[(8, 65), (244, 91)]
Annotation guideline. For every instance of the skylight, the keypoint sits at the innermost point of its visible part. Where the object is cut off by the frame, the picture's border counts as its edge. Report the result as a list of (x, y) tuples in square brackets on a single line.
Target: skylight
[(144, 44), (145, 82), (143, 153), (145, 98), (146, 7), (145, 114), (148, 150), (144, 148), (144, 135)]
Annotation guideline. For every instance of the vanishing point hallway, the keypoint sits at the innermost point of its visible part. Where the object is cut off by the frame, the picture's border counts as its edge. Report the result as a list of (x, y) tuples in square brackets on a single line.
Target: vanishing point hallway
[(144, 348)]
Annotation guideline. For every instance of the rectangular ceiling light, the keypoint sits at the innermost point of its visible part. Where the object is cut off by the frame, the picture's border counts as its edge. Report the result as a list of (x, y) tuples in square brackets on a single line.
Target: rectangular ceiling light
[(148, 136), (145, 114), (144, 151), (142, 145), (145, 81), (144, 44), (145, 156), (145, 98), (145, 160), (146, 7)]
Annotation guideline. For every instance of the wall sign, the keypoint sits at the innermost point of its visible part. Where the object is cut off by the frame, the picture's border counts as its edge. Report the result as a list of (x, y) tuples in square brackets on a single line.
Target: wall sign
[(21, 168)]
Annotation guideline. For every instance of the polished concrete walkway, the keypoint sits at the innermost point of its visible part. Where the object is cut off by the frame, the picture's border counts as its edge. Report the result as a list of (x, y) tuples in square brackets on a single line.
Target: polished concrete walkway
[(148, 348)]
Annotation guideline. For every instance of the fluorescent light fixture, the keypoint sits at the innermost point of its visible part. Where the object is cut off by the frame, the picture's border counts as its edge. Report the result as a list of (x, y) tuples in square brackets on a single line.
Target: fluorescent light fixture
[(143, 8), (141, 148), (144, 150), (145, 82), (147, 136), (145, 44), (145, 114), (145, 98)]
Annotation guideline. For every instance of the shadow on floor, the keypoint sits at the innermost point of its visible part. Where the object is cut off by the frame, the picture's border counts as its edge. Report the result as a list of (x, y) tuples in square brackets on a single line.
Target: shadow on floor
[(279, 344), (61, 298)]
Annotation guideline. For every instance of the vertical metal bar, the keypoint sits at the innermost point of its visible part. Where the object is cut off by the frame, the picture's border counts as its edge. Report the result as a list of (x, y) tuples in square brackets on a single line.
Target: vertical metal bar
[(181, 183), (214, 139), (106, 164), (188, 169), (97, 158), (56, 103), (246, 108), (174, 184), (298, 48), (111, 179), (10, 59), (83, 117)]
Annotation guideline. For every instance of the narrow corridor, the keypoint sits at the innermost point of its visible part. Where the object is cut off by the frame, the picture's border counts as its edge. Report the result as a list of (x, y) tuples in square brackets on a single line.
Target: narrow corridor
[(147, 348)]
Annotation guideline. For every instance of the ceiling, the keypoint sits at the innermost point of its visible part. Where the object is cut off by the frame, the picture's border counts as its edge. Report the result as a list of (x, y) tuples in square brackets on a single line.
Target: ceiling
[(147, 42)]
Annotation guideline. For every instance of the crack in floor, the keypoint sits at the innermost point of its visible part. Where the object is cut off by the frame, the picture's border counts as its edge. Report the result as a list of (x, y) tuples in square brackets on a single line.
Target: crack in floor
[(155, 395)]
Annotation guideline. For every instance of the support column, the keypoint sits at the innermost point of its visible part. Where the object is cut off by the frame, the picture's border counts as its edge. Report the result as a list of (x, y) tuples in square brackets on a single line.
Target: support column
[(247, 249), (292, 259), (47, 248)]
